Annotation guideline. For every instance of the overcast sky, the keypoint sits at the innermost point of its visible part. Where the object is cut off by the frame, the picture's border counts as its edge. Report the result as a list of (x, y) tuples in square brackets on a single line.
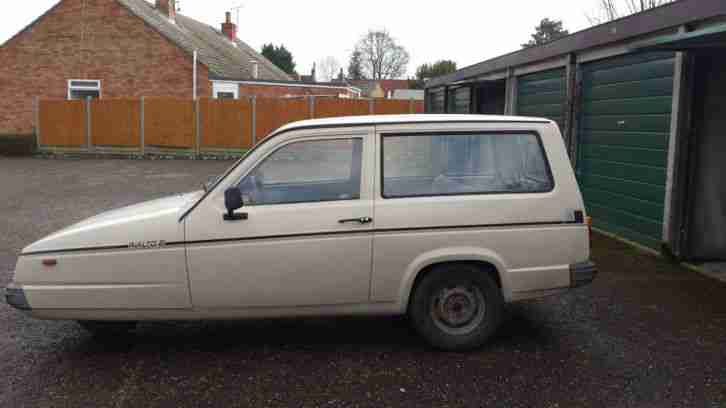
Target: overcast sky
[(466, 31)]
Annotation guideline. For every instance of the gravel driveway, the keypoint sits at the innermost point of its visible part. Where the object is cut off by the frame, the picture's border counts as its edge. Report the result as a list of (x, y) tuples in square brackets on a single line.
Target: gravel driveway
[(646, 334)]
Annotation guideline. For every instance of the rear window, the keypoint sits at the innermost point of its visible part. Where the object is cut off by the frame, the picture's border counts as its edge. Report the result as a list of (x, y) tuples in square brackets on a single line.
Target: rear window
[(466, 163)]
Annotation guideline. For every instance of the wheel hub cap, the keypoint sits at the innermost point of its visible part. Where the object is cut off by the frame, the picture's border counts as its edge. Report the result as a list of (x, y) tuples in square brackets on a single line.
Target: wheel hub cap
[(458, 310)]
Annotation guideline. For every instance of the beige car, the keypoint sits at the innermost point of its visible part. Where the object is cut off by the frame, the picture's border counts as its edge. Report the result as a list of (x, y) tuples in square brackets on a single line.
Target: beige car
[(444, 218)]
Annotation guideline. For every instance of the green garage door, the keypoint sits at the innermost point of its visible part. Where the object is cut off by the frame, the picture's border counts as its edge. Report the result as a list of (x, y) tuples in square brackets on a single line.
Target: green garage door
[(622, 152), (435, 100), (543, 95), (459, 100)]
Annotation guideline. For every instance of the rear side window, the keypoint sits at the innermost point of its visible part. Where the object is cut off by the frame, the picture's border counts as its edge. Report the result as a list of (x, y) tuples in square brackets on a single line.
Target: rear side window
[(450, 164)]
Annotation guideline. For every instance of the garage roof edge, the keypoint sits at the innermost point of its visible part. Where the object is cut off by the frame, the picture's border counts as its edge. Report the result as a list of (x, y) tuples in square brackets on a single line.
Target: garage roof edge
[(660, 18)]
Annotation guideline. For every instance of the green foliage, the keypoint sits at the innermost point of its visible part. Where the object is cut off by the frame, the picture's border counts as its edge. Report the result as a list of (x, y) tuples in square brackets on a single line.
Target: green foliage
[(279, 56), (355, 66), (547, 31), (427, 71)]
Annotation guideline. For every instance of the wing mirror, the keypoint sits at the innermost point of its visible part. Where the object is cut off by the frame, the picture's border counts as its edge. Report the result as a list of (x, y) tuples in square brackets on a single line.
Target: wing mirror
[(233, 201)]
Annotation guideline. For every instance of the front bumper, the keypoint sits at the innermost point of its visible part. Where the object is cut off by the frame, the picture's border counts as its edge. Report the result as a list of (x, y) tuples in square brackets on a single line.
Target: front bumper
[(15, 297), (582, 274)]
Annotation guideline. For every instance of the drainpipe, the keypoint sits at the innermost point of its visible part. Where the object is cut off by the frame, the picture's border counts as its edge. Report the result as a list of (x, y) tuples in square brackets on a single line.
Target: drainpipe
[(194, 80)]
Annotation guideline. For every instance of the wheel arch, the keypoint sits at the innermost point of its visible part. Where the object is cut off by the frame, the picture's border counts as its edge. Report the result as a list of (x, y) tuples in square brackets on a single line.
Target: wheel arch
[(427, 261)]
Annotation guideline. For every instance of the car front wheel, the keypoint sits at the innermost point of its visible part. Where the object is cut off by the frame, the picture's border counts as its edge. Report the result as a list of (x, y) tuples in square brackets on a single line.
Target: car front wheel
[(456, 306)]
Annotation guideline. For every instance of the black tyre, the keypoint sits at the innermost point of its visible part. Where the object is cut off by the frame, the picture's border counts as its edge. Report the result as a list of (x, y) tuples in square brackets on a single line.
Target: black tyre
[(456, 306), (109, 329)]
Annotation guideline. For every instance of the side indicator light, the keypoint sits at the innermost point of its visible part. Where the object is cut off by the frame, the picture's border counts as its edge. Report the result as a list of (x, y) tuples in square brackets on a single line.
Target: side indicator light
[(50, 262)]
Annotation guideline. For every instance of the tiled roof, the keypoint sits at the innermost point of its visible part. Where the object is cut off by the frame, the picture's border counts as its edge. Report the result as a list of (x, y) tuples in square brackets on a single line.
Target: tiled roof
[(224, 59)]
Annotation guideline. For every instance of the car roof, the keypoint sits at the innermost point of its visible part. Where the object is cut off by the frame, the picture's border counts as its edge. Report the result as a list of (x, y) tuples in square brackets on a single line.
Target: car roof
[(372, 120)]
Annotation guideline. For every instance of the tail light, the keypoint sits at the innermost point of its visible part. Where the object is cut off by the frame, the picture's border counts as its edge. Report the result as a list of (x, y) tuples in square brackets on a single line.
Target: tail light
[(581, 219), (588, 222)]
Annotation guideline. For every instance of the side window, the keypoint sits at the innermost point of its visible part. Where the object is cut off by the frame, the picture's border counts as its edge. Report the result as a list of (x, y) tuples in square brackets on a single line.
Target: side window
[(430, 165), (302, 172)]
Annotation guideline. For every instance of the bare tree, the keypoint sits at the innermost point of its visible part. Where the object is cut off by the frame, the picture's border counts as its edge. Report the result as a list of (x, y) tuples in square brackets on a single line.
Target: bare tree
[(328, 69), (609, 10), (381, 56)]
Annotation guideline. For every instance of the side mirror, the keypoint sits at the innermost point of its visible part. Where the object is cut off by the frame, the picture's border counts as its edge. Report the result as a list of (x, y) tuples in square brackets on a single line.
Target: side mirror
[(233, 201)]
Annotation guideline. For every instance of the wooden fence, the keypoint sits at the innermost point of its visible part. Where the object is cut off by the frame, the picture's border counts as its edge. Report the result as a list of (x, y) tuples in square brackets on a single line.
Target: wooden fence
[(206, 125)]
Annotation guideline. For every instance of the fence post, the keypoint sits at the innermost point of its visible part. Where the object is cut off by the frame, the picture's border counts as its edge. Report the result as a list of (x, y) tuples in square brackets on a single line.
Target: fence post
[(89, 135), (253, 101), (371, 106), (197, 130), (311, 105), (142, 144), (37, 123)]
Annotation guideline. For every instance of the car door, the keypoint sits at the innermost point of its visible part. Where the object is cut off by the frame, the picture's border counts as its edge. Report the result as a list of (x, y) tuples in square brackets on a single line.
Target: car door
[(307, 237)]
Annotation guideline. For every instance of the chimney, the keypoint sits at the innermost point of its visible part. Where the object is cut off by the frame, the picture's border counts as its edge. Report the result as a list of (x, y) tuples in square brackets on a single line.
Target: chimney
[(229, 29), (255, 68), (167, 8), (312, 74)]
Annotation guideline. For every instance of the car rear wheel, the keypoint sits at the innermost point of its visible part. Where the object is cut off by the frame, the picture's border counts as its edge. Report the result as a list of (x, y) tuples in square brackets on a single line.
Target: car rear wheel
[(456, 306), (107, 329)]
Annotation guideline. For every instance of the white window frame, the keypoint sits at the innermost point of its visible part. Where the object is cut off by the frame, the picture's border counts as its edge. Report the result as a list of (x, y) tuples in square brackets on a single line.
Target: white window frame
[(225, 87), (72, 88)]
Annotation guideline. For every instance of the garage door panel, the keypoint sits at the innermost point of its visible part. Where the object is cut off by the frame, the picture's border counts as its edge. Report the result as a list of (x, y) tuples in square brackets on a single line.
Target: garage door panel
[(630, 172), (543, 95), (647, 157), (626, 233), (547, 85), (544, 98), (548, 111), (625, 114), (635, 206), (650, 70), (631, 221), (646, 88), (635, 189), (626, 139), (632, 106), (629, 59), (628, 123)]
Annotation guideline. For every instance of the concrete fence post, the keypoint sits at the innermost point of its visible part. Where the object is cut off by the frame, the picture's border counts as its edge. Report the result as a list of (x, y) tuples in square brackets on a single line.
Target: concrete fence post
[(372, 106), (37, 123), (89, 132), (311, 104), (142, 141), (197, 130), (253, 101)]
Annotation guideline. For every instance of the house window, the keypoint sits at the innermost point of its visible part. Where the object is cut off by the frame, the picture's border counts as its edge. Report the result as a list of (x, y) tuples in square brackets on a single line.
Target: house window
[(225, 95), (225, 90), (84, 89)]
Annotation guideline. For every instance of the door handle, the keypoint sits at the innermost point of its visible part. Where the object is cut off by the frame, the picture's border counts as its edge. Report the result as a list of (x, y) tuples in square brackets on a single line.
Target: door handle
[(361, 220)]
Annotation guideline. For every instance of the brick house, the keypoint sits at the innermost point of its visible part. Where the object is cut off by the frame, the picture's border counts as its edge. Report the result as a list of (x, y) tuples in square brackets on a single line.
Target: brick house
[(132, 48)]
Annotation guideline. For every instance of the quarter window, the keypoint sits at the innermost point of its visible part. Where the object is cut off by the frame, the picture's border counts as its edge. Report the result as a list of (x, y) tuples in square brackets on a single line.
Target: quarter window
[(314, 171), (84, 89), (430, 165)]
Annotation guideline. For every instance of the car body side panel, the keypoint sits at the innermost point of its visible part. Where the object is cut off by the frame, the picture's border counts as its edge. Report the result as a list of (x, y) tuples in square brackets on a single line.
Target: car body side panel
[(518, 253), (128, 258), (118, 279)]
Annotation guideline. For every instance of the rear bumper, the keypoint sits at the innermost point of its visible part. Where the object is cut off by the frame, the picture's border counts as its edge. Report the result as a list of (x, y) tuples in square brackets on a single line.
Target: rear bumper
[(582, 274), (15, 297)]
